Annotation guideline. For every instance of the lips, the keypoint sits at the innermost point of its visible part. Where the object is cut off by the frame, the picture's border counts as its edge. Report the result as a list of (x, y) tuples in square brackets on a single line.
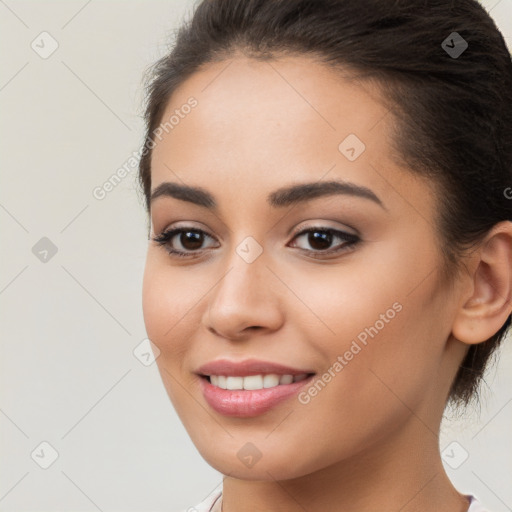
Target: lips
[(248, 367), (245, 389), (249, 403)]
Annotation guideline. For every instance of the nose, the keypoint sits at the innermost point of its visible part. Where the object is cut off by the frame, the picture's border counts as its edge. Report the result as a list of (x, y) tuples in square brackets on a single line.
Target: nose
[(244, 300)]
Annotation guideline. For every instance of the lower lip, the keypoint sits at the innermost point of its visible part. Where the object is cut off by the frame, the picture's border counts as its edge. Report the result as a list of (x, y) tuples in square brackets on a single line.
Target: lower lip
[(243, 403)]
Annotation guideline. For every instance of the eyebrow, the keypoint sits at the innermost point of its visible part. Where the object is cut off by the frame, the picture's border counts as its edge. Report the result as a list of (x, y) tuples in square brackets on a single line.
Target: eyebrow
[(280, 198)]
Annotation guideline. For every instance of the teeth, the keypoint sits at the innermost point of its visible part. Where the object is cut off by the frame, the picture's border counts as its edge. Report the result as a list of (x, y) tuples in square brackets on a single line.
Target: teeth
[(235, 383), (286, 379), (270, 381), (252, 382)]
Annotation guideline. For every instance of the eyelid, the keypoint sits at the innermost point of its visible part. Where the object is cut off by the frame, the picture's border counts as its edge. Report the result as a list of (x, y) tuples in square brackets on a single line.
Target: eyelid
[(348, 239), (171, 231), (323, 225), (189, 225)]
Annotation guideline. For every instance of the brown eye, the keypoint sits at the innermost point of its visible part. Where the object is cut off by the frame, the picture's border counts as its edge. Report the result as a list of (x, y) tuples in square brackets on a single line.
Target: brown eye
[(190, 240), (320, 240), (184, 241)]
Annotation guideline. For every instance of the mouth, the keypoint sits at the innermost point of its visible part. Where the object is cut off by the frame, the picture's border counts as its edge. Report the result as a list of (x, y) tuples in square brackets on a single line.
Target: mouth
[(249, 387), (250, 395), (254, 382)]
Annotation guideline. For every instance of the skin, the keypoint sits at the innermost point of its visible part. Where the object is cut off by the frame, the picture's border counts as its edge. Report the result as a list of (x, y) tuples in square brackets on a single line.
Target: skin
[(369, 440)]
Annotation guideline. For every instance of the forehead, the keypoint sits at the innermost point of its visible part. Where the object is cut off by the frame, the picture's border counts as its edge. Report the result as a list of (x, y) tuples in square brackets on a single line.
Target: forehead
[(285, 102), (267, 122)]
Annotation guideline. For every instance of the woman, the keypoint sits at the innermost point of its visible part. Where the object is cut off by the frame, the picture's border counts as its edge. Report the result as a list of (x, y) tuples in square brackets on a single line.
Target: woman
[(330, 260)]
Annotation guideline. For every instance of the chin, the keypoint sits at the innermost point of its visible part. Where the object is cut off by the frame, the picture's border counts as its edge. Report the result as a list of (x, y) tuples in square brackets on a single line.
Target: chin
[(278, 466)]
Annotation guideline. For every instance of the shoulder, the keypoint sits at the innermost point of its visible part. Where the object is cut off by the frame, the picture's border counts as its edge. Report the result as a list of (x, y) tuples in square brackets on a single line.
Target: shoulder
[(475, 505), (211, 503)]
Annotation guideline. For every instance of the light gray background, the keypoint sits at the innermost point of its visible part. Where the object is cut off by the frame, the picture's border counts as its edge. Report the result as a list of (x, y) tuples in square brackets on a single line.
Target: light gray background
[(70, 325)]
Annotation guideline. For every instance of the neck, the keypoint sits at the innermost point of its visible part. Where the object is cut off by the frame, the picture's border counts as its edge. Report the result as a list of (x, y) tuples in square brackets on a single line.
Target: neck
[(403, 472)]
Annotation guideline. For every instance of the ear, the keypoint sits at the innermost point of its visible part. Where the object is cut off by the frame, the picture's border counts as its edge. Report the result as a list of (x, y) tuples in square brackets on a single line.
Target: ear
[(487, 301)]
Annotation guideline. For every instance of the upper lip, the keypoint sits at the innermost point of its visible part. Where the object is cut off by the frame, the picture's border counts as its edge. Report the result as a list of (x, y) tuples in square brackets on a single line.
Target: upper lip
[(246, 367)]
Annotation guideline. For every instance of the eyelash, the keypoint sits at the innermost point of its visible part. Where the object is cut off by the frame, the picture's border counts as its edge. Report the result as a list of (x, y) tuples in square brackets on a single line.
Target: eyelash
[(350, 240)]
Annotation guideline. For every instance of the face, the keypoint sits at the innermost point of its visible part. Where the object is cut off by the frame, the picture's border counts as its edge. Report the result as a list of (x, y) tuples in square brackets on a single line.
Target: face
[(340, 280)]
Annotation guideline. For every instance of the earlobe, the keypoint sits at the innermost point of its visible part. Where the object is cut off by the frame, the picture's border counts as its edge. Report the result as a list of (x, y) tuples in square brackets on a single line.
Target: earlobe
[(486, 309)]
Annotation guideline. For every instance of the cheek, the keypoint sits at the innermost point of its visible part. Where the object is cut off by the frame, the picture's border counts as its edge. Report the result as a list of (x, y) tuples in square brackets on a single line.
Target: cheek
[(168, 307), (167, 303), (155, 297), (386, 320)]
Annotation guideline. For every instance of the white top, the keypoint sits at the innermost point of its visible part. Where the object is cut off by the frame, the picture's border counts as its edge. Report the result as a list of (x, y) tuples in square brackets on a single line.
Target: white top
[(213, 503)]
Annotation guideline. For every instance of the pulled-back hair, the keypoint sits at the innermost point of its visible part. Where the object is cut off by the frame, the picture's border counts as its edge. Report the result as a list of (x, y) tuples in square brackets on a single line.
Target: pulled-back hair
[(452, 111)]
